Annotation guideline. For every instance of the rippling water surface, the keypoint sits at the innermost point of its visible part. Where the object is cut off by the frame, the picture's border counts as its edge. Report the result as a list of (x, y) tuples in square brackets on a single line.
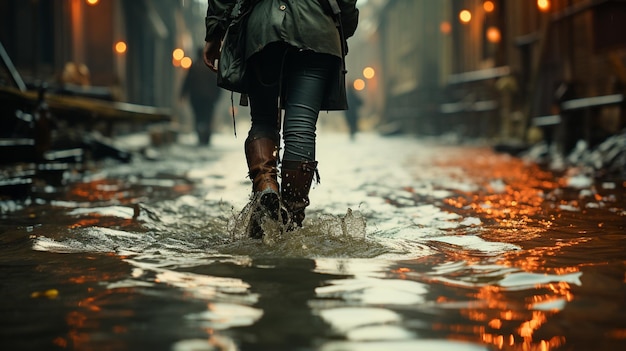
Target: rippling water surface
[(407, 245)]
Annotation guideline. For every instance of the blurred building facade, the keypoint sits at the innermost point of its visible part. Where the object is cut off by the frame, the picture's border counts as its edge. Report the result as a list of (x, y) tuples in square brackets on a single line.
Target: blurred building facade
[(493, 68), (124, 46)]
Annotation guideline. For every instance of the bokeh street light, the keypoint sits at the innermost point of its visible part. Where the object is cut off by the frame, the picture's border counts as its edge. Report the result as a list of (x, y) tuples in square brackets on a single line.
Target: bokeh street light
[(493, 35), (465, 16), (120, 47), (359, 84), (543, 5), (185, 62), (178, 54), (489, 6), (369, 73), (445, 27)]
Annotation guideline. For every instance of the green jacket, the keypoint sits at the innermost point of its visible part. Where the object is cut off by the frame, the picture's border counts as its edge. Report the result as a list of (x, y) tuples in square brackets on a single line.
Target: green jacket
[(301, 23)]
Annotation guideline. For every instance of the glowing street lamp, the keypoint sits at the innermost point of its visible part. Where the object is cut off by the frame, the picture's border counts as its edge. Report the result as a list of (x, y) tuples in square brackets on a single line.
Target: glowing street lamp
[(120, 47), (465, 16), (92, 2), (493, 35), (185, 62), (368, 72), (359, 84), (489, 6), (543, 5), (178, 54), (445, 27)]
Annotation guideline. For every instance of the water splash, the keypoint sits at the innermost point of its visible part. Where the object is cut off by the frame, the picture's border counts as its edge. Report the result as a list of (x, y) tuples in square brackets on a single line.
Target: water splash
[(324, 236)]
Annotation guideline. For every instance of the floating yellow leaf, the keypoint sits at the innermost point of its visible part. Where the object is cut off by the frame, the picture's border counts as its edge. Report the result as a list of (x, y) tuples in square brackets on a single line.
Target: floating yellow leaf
[(50, 293)]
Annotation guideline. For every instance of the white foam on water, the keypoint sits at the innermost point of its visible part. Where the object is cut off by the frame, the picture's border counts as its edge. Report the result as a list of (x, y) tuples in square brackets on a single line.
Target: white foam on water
[(525, 280), (94, 239), (553, 305), (402, 345), (380, 332), (215, 342), (344, 319), (375, 291), (476, 243), (579, 181), (222, 316), (110, 211)]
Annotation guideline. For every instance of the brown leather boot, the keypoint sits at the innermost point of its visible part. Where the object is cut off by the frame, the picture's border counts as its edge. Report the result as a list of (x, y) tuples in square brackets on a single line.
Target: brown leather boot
[(296, 178), (262, 155)]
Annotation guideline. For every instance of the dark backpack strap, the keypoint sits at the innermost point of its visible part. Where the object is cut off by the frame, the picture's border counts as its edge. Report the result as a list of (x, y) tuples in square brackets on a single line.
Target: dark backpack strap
[(326, 7), (334, 6)]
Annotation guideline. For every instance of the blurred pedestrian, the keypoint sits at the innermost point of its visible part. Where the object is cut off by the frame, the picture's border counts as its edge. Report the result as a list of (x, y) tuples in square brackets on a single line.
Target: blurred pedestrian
[(352, 113), (200, 86), (286, 56)]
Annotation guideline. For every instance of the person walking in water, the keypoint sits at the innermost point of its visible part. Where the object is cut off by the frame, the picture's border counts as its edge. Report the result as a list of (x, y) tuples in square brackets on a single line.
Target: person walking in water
[(288, 57), (200, 86)]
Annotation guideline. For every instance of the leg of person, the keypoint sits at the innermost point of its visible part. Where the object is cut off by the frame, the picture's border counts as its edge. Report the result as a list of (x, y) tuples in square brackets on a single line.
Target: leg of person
[(308, 78), (208, 131), (202, 121), (352, 123), (261, 149)]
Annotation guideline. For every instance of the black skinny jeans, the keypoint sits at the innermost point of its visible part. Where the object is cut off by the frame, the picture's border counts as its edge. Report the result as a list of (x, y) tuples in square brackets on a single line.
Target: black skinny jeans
[(305, 80)]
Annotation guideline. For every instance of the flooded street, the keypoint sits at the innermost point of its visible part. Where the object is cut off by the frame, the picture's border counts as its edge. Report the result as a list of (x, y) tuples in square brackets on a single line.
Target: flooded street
[(407, 245)]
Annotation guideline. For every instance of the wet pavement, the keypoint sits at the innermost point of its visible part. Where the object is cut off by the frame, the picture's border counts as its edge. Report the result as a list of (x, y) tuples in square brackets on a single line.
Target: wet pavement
[(408, 245)]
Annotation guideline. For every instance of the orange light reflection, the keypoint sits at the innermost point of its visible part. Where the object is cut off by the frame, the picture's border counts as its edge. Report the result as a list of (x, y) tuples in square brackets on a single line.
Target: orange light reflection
[(515, 204), (86, 317), (508, 329), (519, 206)]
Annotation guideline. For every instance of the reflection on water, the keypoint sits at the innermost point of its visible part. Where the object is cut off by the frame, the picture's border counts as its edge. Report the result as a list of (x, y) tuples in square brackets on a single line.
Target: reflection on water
[(423, 248)]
